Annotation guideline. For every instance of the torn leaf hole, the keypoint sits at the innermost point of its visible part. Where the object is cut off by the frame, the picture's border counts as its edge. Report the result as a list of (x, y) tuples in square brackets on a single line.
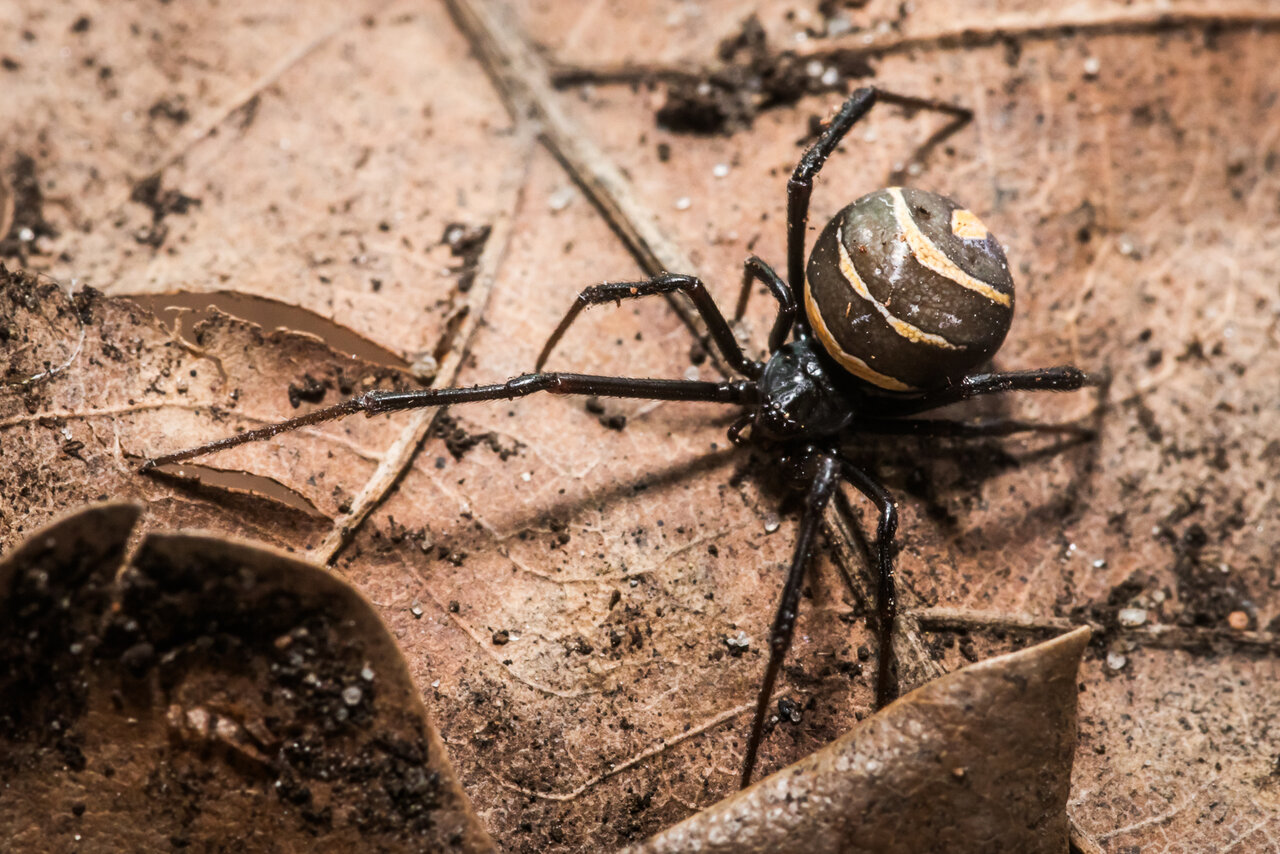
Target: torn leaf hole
[(182, 310), (238, 483)]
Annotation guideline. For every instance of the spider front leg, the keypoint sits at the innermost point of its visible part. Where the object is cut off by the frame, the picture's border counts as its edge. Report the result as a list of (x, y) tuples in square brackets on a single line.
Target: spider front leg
[(826, 477), (719, 329), (741, 392)]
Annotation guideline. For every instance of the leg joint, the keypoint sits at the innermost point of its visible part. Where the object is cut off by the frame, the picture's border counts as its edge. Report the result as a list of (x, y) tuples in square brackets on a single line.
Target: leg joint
[(529, 383), (888, 519)]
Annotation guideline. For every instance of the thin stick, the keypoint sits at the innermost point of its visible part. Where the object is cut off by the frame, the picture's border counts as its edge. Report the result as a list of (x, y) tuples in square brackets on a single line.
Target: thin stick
[(1015, 28), (400, 456), (522, 77), (1154, 635)]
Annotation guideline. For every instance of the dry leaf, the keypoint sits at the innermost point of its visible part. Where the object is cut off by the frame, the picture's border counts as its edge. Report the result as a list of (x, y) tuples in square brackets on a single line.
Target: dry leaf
[(1125, 154), (979, 760), (211, 693)]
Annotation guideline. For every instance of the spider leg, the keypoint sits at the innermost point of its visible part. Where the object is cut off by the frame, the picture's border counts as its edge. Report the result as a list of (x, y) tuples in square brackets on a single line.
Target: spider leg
[(742, 423), (1060, 378), (886, 595), (784, 621), (376, 402), (717, 326), (800, 187), (757, 270), (964, 429)]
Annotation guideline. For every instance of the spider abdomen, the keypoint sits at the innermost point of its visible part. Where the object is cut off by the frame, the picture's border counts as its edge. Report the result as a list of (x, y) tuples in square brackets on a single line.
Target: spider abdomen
[(908, 291)]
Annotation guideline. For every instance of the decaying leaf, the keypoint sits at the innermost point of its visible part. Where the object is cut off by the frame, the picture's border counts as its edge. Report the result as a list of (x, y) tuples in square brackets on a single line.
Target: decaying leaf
[(346, 161), (207, 694), (977, 761)]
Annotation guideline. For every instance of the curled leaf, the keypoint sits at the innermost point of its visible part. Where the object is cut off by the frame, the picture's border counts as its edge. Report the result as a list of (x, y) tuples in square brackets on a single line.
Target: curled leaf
[(979, 760), (211, 694)]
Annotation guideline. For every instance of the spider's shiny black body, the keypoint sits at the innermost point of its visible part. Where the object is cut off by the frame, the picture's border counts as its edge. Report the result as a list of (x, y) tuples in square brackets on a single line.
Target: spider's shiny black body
[(905, 294), (800, 398)]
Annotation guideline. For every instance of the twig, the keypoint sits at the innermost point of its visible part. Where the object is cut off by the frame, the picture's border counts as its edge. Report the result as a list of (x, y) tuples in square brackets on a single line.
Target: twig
[(399, 457), (663, 745), (1158, 636), (522, 77), (1016, 28)]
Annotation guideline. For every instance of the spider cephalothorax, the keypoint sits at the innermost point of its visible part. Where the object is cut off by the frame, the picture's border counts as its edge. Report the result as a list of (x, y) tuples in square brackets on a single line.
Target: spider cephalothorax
[(906, 294)]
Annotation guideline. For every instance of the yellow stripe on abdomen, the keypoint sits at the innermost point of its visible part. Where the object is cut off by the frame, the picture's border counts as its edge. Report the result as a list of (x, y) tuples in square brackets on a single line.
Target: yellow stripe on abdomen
[(850, 363), (912, 333), (935, 259)]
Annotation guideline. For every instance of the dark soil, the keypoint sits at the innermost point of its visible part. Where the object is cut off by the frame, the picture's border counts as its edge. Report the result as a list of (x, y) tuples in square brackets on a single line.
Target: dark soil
[(751, 79), (195, 699), (29, 223)]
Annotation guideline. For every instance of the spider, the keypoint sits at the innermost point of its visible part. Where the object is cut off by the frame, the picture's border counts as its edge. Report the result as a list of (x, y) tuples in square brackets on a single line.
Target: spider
[(906, 296)]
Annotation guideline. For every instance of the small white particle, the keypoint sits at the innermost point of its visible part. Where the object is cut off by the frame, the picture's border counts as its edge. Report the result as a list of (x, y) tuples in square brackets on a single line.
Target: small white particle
[(366, 673), (1092, 66), (1100, 563), (1116, 661), (351, 695), (1132, 616), (691, 372), (425, 367), (561, 198), (720, 170), (830, 77), (26, 235), (771, 523), (416, 610), (526, 476), (813, 68), (435, 684), (683, 203)]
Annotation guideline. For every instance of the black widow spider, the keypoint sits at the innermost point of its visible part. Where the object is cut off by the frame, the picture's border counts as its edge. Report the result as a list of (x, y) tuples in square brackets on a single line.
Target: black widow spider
[(906, 294)]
